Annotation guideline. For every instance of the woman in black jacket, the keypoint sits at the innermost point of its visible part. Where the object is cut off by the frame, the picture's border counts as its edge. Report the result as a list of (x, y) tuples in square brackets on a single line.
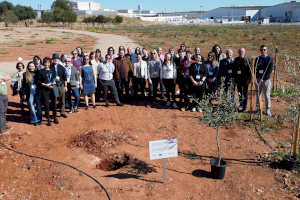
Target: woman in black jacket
[(30, 91), (46, 82)]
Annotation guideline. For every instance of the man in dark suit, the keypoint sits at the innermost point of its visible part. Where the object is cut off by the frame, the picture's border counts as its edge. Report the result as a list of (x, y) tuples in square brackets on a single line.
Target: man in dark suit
[(226, 70), (60, 75)]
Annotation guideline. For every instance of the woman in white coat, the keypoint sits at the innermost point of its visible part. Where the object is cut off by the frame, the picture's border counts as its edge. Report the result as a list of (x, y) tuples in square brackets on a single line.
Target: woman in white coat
[(140, 76)]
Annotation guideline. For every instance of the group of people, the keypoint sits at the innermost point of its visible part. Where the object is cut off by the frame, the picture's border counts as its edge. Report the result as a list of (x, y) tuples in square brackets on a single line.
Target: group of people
[(44, 81)]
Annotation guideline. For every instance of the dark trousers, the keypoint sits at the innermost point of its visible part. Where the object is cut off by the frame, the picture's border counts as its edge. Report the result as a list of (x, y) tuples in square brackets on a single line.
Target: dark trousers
[(170, 88), (197, 94), (47, 96), (243, 93), (62, 98), (3, 110), (185, 86), (98, 90), (109, 85), (139, 82), (21, 101), (162, 89), (153, 89), (120, 84)]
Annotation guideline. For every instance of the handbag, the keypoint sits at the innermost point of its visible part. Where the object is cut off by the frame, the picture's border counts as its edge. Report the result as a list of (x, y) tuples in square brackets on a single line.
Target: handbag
[(73, 83)]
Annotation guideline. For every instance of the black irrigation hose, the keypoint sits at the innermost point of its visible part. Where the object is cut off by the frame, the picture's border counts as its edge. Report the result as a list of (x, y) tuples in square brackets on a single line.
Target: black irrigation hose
[(262, 136), (59, 163)]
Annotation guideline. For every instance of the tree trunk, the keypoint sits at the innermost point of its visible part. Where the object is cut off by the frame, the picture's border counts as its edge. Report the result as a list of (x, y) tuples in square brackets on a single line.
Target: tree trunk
[(218, 147)]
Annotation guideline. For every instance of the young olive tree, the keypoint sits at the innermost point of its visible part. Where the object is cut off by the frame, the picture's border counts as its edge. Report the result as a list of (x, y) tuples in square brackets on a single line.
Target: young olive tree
[(216, 115)]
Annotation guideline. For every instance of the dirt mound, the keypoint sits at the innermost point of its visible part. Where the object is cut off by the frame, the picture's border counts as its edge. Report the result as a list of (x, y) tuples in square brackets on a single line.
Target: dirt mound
[(96, 141)]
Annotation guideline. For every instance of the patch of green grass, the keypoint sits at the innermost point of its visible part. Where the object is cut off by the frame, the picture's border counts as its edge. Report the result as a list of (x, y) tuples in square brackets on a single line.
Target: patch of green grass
[(50, 41), (280, 143), (265, 129), (62, 184), (192, 155), (30, 43), (6, 35), (49, 30), (4, 53), (202, 41), (287, 33), (95, 30), (16, 46)]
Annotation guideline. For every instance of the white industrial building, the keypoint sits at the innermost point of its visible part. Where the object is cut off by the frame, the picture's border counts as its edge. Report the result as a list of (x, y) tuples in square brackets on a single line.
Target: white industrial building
[(230, 14), (85, 5), (285, 12)]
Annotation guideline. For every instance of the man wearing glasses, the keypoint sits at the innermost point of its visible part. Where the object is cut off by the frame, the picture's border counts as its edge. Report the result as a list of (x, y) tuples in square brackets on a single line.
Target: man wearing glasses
[(123, 74), (263, 70)]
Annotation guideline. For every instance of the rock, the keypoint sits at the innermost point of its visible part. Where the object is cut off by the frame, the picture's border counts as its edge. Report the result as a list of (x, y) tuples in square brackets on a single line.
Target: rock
[(28, 132)]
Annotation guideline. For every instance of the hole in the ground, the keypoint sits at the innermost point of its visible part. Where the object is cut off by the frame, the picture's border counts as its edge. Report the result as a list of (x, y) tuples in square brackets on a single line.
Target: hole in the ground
[(114, 162)]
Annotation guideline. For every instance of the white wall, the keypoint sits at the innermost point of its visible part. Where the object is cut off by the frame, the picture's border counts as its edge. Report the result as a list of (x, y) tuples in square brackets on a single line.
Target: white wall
[(220, 12), (82, 5), (254, 14), (279, 11)]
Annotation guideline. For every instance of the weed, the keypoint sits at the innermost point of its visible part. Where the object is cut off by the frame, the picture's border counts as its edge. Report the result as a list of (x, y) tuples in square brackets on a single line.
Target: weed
[(6, 35), (49, 30), (50, 41), (246, 34), (280, 143), (265, 129), (62, 184), (4, 53), (202, 41), (264, 38), (81, 174), (192, 155), (174, 116), (74, 158), (31, 43)]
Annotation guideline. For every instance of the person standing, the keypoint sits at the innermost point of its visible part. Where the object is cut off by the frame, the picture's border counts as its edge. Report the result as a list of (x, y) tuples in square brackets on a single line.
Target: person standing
[(145, 57), (16, 84), (46, 82), (37, 60), (187, 84), (263, 68), (218, 51), (179, 75), (31, 92), (111, 52), (139, 76), (129, 53), (72, 85), (153, 70), (242, 77), (226, 70), (105, 76), (197, 75), (183, 50), (197, 52), (162, 60), (4, 128), (211, 82), (98, 55), (80, 53), (168, 75), (60, 74), (95, 62), (88, 82), (77, 62), (123, 74)]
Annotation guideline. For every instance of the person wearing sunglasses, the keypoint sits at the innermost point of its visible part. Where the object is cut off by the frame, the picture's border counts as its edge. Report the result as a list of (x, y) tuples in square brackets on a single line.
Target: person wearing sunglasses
[(218, 52), (105, 72), (38, 62), (140, 76), (212, 65), (183, 49), (72, 85), (242, 77), (111, 52), (161, 56), (98, 55), (263, 69), (77, 62), (88, 82)]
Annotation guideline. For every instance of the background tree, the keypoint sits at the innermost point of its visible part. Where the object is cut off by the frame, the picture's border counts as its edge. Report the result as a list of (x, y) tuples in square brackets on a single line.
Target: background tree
[(47, 18), (118, 19), (5, 5), (9, 17), (63, 12), (25, 13)]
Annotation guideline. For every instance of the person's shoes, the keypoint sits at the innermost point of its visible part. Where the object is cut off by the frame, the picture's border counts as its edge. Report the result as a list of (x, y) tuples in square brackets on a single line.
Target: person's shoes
[(76, 110), (162, 97), (193, 109), (243, 110), (269, 114), (67, 105), (40, 122), (48, 123), (107, 105), (8, 127), (199, 110), (148, 105), (56, 121), (35, 124), (95, 107), (178, 91), (4, 132), (87, 107), (71, 110), (183, 109), (64, 115), (175, 105), (168, 103), (120, 104), (255, 111)]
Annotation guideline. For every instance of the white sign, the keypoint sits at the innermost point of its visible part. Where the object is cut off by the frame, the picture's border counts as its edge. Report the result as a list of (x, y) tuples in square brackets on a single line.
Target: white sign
[(163, 149)]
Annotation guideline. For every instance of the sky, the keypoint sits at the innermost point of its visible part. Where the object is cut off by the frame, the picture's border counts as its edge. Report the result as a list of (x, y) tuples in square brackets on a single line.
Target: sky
[(159, 5)]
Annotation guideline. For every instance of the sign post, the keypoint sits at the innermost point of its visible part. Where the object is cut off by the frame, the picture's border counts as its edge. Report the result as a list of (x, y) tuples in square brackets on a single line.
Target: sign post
[(162, 149)]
